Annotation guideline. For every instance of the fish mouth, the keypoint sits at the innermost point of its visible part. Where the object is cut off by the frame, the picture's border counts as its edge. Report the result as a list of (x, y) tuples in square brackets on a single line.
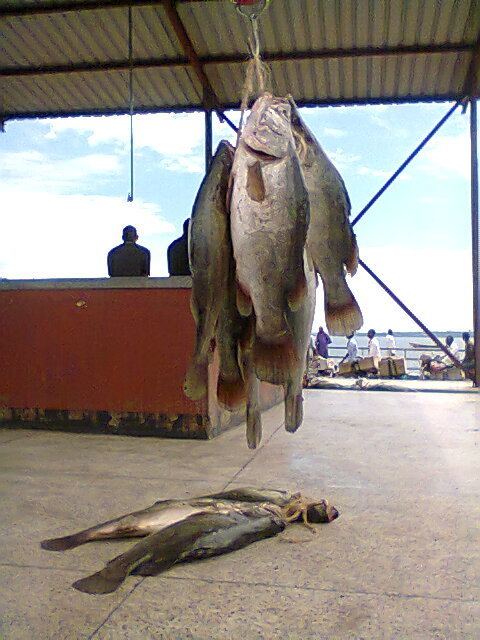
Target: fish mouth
[(261, 155)]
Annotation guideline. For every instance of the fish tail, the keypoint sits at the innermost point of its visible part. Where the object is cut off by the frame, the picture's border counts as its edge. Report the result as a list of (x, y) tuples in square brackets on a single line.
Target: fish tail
[(274, 362), (196, 381), (254, 426), (230, 392), (342, 313), (244, 302), (107, 580), (351, 263), (67, 542), (293, 410)]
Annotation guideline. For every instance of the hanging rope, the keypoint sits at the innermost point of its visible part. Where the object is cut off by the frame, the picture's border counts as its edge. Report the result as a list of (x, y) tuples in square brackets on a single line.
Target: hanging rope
[(257, 75), (130, 96)]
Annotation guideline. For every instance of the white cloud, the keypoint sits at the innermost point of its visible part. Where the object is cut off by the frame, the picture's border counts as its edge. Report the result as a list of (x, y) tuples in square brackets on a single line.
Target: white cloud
[(331, 132), (447, 155), (52, 236), (376, 173), (434, 283), (32, 170), (341, 158), (177, 138)]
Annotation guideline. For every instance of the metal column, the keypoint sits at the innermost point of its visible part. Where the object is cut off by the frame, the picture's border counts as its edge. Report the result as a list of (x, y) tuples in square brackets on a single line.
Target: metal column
[(208, 138), (475, 238)]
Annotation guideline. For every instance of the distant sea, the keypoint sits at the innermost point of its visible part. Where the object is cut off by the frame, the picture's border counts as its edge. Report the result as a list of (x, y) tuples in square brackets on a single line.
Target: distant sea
[(402, 339)]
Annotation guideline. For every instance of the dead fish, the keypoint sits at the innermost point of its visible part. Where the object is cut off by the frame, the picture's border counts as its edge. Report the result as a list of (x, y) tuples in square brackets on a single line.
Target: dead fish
[(300, 323), (198, 536), (230, 333), (330, 241), (209, 260), (135, 524), (154, 518), (269, 214)]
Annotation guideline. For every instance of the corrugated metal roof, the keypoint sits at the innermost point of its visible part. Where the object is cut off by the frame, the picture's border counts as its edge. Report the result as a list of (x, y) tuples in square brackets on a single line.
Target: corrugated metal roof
[(69, 56)]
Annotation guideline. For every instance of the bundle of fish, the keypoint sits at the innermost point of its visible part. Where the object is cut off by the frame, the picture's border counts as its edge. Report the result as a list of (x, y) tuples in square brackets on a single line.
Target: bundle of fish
[(269, 216), (183, 530)]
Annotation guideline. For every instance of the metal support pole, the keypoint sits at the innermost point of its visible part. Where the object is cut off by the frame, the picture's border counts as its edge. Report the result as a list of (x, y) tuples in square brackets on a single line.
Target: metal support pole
[(475, 238), (414, 153), (208, 139), (411, 315)]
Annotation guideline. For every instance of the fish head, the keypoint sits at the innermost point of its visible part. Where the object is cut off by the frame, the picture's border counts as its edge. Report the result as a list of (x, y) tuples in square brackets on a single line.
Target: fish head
[(268, 131), (321, 511), (305, 144), (223, 158)]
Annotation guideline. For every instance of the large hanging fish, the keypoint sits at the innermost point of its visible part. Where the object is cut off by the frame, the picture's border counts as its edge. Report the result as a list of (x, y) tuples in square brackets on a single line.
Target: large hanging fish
[(330, 241), (269, 213), (209, 254)]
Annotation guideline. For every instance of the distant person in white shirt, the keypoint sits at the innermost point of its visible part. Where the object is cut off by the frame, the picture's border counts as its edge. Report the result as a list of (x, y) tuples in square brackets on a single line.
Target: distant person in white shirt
[(352, 350), (373, 344), (391, 346), (453, 348)]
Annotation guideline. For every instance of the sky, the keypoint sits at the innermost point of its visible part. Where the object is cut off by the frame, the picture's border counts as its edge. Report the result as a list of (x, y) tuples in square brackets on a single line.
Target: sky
[(64, 186)]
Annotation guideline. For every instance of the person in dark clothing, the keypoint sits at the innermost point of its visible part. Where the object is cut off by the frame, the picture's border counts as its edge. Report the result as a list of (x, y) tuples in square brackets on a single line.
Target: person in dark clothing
[(177, 254), (129, 258), (321, 343)]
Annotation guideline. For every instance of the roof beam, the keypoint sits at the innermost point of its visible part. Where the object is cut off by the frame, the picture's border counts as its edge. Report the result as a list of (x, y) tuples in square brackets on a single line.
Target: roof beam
[(201, 62), (472, 77), (44, 6), (209, 97)]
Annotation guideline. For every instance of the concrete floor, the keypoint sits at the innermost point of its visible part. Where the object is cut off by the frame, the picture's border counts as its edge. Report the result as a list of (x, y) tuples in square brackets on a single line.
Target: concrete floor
[(402, 561)]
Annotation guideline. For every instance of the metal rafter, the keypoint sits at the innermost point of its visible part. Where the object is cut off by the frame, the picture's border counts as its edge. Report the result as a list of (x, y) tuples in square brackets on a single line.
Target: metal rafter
[(202, 61), (472, 77), (209, 97)]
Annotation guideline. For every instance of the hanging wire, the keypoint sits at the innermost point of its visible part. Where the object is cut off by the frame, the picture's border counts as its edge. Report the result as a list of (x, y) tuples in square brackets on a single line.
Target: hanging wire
[(130, 96)]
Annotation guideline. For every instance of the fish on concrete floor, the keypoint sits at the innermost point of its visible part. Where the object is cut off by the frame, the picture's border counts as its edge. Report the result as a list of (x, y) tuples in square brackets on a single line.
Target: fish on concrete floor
[(198, 536), (330, 241), (164, 513), (209, 247)]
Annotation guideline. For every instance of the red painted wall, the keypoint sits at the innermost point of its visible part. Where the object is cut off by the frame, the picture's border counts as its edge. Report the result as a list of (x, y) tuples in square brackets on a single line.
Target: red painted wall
[(96, 349)]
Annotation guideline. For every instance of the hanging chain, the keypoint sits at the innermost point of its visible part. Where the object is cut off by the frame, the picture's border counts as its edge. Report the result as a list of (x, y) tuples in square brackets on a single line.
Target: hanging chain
[(130, 96)]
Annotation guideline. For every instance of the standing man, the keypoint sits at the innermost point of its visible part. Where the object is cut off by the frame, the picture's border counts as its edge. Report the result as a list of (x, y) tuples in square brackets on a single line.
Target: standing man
[(321, 343), (391, 346), (177, 254), (468, 361), (373, 344), (129, 258), (352, 350)]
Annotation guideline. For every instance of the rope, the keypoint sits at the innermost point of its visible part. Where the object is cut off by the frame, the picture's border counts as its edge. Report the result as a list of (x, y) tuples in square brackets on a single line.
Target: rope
[(130, 96), (257, 75)]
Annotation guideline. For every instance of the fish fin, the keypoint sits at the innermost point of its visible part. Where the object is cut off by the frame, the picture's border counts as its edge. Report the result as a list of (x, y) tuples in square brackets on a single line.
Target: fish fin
[(342, 313), (351, 263), (244, 302), (230, 393), (255, 182), (296, 297), (254, 427), (104, 581), (274, 362), (62, 544), (196, 381), (293, 409)]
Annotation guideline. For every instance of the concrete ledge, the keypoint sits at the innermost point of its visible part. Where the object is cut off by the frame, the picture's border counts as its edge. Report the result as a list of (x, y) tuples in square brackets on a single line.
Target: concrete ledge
[(173, 282)]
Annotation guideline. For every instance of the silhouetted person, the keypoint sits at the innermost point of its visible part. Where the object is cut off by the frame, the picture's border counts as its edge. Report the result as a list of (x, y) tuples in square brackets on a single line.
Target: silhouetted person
[(129, 258), (321, 343), (177, 254)]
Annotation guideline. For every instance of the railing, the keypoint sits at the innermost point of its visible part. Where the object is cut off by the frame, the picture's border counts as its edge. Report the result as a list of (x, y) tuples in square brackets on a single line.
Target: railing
[(400, 353)]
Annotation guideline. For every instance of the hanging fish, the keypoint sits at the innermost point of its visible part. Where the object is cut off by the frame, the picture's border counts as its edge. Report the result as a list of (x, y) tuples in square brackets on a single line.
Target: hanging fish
[(269, 213), (300, 323), (330, 241), (209, 247)]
